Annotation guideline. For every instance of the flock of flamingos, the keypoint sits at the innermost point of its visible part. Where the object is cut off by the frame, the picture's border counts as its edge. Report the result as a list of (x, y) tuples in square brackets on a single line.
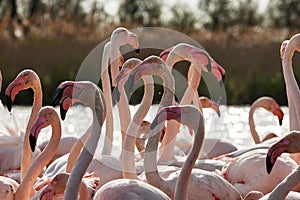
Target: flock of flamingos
[(65, 167)]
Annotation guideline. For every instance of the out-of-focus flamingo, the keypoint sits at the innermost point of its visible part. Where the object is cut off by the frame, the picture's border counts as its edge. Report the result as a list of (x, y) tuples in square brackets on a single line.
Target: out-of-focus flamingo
[(200, 60), (128, 189), (202, 184), (8, 188), (270, 105), (119, 37), (57, 186), (26, 79)]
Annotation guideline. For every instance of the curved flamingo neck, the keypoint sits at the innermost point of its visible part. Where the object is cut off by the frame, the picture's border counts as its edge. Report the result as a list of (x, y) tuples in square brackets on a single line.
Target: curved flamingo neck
[(107, 148), (124, 112), (128, 165), (292, 88), (285, 186), (76, 149), (26, 155), (251, 123), (88, 151), (26, 187), (150, 161), (181, 189)]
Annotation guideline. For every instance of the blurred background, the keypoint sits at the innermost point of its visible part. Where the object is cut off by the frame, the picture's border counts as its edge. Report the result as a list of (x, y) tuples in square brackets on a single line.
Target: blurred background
[(53, 37)]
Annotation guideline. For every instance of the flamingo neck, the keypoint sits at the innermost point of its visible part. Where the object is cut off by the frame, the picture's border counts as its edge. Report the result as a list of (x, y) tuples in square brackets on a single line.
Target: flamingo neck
[(88, 151), (252, 125), (285, 186), (150, 161), (292, 88), (26, 155), (124, 112), (76, 149), (107, 149), (26, 187), (181, 189), (128, 165)]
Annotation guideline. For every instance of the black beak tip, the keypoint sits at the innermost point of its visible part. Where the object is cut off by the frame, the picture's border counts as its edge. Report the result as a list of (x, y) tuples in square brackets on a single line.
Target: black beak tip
[(218, 113), (269, 164), (116, 95), (8, 102), (223, 77), (63, 112), (137, 51), (32, 141), (280, 122)]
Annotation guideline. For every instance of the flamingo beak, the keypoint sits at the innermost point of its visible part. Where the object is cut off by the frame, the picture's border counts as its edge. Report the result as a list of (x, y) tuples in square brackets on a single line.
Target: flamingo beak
[(35, 130), (275, 151), (57, 96), (116, 95), (278, 112), (137, 51), (8, 102), (63, 112)]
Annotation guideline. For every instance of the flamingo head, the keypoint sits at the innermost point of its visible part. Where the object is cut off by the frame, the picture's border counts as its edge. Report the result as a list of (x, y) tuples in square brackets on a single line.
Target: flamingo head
[(186, 115), (69, 93), (288, 144), (164, 54), (218, 71), (207, 103), (152, 65), (278, 112), (46, 116), (271, 105), (25, 80)]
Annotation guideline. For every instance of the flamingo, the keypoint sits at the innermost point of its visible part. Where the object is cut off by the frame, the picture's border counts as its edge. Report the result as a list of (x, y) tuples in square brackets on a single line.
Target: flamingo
[(237, 172), (154, 65), (288, 144), (203, 184), (47, 116), (119, 37), (106, 167), (153, 62), (56, 188), (128, 189), (26, 79), (270, 105), (200, 60), (287, 50)]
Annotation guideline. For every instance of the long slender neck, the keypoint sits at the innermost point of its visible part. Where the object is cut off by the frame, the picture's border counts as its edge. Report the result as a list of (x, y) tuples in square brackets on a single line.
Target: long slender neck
[(150, 161), (114, 59), (185, 174), (76, 149), (108, 101), (124, 112), (251, 124), (26, 155), (293, 92), (128, 165), (87, 153), (283, 188), (26, 187)]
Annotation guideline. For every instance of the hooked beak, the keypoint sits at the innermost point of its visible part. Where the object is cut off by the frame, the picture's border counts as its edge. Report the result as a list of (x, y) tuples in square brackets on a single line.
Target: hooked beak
[(8, 102), (275, 151)]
